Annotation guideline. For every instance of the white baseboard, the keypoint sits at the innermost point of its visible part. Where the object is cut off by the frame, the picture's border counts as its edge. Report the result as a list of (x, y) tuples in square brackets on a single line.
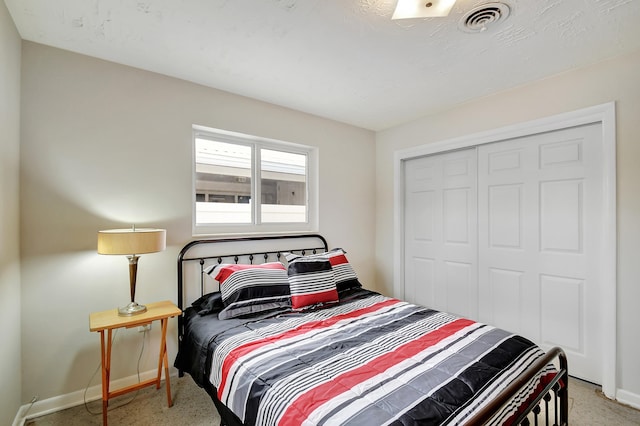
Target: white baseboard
[(57, 403), (628, 398), (21, 416)]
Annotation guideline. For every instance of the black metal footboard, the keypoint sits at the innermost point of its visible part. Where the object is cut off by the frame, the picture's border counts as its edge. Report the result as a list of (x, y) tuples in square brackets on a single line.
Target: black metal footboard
[(549, 407)]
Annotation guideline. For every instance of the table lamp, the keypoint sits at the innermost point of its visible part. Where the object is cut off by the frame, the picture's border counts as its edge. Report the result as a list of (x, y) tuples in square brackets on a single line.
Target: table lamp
[(131, 242)]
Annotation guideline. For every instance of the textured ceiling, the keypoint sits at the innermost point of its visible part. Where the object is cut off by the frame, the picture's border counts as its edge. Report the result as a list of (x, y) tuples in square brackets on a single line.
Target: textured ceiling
[(341, 59)]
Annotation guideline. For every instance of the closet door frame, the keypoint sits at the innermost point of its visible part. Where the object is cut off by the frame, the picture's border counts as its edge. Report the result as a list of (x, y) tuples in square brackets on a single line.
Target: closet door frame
[(603, 114)]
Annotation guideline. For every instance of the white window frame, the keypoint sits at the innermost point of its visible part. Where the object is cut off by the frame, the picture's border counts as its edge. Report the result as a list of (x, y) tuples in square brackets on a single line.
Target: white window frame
[(312, 168)]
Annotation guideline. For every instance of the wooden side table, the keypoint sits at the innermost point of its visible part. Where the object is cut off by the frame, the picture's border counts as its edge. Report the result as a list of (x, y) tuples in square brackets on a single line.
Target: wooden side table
[(110, 320)]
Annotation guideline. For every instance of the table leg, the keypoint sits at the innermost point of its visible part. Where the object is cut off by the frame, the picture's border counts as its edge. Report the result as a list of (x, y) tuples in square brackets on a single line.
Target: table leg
[(162, 337), (105, 360), (167, 380), (163, 359)]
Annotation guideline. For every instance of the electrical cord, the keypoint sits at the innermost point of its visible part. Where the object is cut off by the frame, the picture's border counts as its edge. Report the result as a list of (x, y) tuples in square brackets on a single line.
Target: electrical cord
[(33, 401), (86, 406)]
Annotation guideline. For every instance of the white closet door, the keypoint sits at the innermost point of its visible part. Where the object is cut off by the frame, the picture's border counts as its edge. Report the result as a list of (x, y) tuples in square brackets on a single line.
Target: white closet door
[(440, 232), (539, 216)]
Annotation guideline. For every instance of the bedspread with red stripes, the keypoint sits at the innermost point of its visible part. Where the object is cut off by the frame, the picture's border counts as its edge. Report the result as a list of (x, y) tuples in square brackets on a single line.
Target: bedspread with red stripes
[(371, 361)]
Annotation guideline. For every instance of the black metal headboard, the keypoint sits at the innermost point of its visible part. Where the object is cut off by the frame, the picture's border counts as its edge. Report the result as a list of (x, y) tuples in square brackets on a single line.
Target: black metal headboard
[(252, 249)]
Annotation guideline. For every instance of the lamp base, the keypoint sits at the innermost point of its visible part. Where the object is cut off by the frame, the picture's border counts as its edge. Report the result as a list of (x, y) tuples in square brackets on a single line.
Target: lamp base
[(131, 309)]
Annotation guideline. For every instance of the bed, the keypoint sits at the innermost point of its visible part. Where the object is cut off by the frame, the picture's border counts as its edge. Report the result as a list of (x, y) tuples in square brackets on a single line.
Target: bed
[(279, 330)]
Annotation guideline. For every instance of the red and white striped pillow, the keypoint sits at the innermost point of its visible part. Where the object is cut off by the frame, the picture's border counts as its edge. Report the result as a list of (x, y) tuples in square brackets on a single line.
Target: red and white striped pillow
[(346, 277), (311, 281), (344, 274)]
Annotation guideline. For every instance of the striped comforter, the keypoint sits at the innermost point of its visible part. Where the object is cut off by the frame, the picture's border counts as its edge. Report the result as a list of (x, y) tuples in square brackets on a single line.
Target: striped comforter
[(370, 361)]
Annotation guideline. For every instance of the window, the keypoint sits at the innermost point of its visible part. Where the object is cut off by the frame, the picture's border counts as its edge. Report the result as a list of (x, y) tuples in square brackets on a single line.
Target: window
[(247, 184)]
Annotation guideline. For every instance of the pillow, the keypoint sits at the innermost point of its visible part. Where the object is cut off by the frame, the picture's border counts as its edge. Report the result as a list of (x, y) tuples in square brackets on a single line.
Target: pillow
[(248, 289), (311, 281), (209, 303), (345, 276)]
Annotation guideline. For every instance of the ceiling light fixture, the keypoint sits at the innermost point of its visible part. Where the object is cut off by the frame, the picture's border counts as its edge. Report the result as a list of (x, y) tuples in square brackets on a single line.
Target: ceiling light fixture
[(406, 9)]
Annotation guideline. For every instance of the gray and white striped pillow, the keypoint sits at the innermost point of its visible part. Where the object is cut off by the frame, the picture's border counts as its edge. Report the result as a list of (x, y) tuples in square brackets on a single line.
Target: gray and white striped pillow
[(249, 289)]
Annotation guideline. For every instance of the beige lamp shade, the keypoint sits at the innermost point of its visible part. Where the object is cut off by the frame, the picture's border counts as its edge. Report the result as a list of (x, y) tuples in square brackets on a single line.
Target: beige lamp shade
[(131, 241)]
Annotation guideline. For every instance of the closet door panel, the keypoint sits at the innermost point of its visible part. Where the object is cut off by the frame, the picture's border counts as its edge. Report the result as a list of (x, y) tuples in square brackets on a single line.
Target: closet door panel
[(441, 232), (538, 196)]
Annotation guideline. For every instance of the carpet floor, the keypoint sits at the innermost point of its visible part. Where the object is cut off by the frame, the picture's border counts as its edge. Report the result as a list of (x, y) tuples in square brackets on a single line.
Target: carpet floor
[(192, 406)]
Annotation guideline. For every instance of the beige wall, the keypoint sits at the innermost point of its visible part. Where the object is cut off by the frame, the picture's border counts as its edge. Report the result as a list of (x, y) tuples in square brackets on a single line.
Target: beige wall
[(10, 362), (615, 80), (106, 145)]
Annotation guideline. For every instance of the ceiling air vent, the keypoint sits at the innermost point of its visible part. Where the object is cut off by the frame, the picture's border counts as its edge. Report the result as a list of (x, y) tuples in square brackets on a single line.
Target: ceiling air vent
[(481, 17)]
